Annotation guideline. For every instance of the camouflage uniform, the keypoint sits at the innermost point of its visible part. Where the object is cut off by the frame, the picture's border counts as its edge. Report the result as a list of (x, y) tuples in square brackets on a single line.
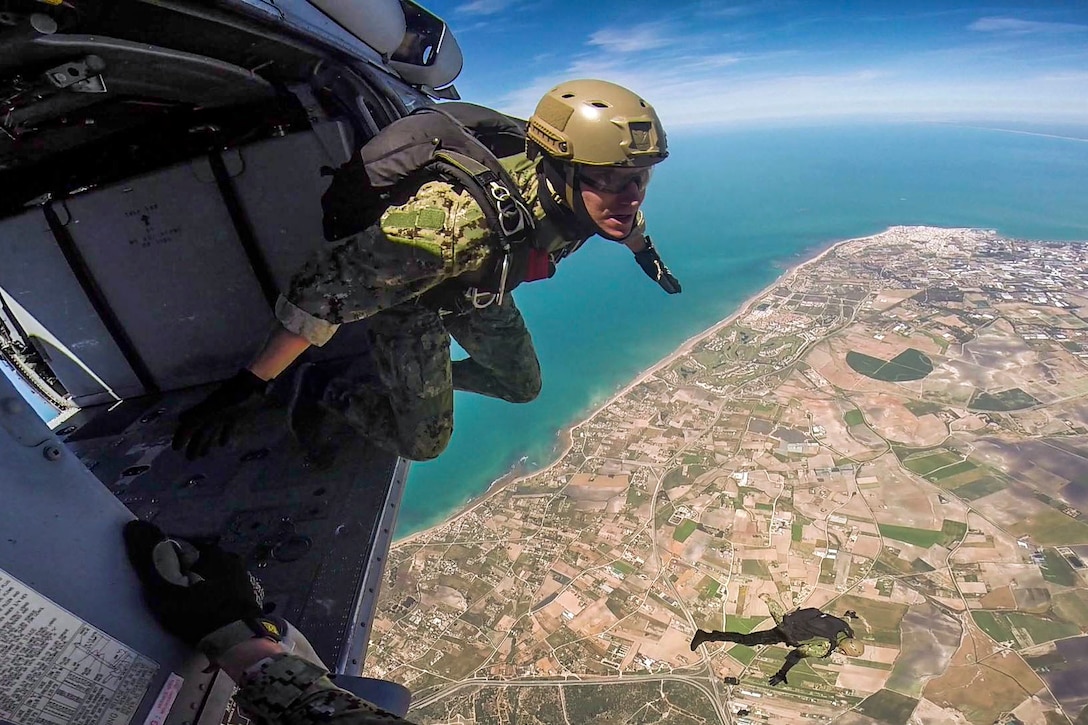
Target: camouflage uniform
[(289, 690), (380, 275), (819, 647), (814, 647)]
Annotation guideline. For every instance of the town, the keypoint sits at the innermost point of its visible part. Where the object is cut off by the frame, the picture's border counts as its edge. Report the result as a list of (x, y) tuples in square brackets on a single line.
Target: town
[(895, 428)]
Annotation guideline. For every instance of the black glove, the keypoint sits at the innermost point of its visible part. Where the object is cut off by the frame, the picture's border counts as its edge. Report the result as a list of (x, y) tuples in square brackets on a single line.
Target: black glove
[(655, 269), (777, 678), (211, 421), (194, 590)]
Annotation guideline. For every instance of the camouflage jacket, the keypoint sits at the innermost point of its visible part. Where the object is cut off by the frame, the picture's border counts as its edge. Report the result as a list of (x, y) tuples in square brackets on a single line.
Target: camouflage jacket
[(438, 235), (289, 690)]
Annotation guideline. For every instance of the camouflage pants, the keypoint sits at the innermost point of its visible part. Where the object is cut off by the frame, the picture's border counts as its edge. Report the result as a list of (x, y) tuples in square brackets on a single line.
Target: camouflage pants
[(409, 409)]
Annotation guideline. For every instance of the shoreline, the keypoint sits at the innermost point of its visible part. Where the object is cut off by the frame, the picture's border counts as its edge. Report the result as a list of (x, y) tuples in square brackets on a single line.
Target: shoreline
[(565, 437)]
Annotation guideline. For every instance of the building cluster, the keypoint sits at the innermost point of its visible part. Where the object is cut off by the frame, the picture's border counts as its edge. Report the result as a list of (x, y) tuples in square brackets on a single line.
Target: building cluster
[(747, 465)]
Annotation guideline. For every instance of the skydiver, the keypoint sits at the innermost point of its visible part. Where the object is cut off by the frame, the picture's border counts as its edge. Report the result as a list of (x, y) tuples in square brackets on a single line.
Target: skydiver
[(809, 631), (204, 596), (589, 152)]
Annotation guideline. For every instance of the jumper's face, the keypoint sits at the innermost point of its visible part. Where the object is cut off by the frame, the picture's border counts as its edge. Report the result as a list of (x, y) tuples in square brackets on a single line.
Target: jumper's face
[(612, 197)]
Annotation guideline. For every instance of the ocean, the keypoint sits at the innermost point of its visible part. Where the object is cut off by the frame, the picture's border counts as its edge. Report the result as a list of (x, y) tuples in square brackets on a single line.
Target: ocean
[(729, 211)]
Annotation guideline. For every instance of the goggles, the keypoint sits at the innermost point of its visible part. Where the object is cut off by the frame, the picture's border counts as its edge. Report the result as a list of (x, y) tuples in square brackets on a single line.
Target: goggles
[(613, 179)]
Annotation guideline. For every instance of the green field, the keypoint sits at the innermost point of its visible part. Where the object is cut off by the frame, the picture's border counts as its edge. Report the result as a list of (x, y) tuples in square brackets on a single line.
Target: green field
[(754, 567), (925, 464), (924, 538), (854, 417), (889, 707), (1051, 528), (1072, 607), (879, 620), (951, 531), (908, 365), (742, 654), (1041, 629), (709, 587), (1057, 570), (744, 625), (623, 568), (684, 530), (982, 487), (674, 478), (797, 531), (949, 471), (1001, 626), (922, 407), (993, 625), (1014, 399)]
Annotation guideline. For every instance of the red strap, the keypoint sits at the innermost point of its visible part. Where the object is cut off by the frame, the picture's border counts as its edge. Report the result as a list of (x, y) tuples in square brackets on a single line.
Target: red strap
[(540, 266)]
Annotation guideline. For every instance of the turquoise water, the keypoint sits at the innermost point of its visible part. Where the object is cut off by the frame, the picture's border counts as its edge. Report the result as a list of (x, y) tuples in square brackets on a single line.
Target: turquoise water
[(729, 212)]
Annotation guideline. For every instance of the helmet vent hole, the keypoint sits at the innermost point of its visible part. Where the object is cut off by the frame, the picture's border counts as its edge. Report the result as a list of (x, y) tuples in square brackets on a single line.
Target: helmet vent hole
[(568, 95), (642, 103), (598, 104)]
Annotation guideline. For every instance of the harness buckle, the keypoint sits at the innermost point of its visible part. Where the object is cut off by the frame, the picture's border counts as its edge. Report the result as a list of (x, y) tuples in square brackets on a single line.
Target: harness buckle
[(480, 300)]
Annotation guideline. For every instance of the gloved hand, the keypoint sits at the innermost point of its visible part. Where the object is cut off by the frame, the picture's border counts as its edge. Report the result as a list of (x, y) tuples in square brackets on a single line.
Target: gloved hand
[(655, 269), (210, 422), (777, 678), (196, 591)]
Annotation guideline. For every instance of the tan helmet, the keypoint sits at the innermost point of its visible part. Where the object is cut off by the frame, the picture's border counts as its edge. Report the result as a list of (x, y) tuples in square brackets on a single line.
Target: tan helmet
[(852, 647), (597, 123)]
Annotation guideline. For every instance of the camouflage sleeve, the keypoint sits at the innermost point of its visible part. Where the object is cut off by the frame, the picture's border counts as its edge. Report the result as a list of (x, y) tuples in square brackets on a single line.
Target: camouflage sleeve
[(775, 608), (815, 648), (440, 233), (288, 690)]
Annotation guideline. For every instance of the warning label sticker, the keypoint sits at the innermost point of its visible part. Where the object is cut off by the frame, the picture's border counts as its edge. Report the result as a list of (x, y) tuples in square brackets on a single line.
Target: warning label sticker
[(55, 669)]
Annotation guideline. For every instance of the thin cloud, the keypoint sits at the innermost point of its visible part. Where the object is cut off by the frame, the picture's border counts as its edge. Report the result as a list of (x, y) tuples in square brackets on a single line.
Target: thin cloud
[(1016, 26), (633, 39), (685, 97), (483, 7), (739, 10)]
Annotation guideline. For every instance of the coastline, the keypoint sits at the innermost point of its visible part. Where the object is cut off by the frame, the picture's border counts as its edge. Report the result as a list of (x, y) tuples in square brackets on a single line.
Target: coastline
[(565, 435)]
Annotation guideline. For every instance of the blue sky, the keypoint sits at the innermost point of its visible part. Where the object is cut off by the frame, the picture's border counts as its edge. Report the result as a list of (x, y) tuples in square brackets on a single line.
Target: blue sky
[(712, 62)]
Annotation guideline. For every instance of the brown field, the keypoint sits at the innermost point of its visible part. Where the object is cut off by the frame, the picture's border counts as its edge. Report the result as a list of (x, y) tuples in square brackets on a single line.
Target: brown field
[(997, 574), (838, 436), (887, 298), (1012, 666), (861, 679), (886, 413), (1001, 598), (1000, 546), (982, 693), (901, 499), (929, 712), (1015, 510), (931, 638)]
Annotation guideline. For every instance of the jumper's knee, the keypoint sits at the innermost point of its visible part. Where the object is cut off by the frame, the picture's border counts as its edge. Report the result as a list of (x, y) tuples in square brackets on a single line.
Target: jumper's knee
[(426, 437), (526, 392), (425, 449), (523, 386)]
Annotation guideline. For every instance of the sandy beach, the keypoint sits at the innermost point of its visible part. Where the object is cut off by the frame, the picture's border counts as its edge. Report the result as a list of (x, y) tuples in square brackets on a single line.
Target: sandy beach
[(566, 435)]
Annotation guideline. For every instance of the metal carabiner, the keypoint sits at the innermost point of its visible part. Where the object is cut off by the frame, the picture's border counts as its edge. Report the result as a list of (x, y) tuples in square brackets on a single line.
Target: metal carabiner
[(502, 277)]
